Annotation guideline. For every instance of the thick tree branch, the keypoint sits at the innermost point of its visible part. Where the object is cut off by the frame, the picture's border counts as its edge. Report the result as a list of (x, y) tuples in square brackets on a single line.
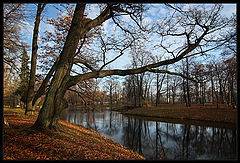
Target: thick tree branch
[(105, 15), (84, 62), (42, 88), (172, 73), (100, 74), (204, 51), (103, 73)]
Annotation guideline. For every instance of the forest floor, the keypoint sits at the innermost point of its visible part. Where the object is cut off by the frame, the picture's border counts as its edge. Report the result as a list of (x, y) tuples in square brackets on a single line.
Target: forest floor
[(181, 113), (70, 142)]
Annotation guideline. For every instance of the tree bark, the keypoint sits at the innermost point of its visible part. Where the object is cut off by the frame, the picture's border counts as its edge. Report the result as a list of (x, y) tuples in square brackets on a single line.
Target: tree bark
[(32, 78), (53, 104)]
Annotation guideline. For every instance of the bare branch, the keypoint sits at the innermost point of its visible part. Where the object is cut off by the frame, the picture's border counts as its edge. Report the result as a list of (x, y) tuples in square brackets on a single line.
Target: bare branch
[(121, 53), (103, 73), (172, 73), (84, 62), (125, 30)]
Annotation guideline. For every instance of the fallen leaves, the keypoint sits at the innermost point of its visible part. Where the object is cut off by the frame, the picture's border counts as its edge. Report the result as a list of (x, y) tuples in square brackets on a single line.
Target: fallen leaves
[(208, 112), (71, 142)]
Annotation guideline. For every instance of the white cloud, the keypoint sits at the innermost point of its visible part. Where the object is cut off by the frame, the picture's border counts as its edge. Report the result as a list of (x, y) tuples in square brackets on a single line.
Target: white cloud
[(157, 10), (153, 11), (125, 18), (92, 11), (229, 9), (106, 26), (163, 11), (46, 27), (27, 33), (27, 30), (147, 20), (26, 27)]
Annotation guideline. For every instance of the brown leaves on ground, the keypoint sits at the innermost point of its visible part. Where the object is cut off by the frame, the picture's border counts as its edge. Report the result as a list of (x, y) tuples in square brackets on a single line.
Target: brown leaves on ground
[(207, 112), (70, 142)]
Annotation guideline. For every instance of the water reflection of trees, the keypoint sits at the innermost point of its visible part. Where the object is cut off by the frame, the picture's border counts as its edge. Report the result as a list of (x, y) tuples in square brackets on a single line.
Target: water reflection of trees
[(156, 140), (199, 142), (111, 125)]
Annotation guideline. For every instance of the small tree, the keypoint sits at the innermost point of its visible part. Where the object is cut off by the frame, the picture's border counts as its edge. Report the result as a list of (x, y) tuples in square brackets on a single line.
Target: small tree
[(24, 77)]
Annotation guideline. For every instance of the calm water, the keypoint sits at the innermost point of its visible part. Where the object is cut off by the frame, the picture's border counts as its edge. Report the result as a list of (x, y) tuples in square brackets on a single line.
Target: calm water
[(154, 139)]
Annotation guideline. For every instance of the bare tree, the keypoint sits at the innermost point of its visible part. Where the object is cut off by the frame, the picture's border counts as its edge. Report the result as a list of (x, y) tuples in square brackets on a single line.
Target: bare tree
[(198, 27), (159, 86), (13, 15), (110, 86), (174, 84)]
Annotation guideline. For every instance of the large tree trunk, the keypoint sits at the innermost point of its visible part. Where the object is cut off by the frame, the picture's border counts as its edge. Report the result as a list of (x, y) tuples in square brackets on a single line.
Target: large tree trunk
[(60, 103), (31, 82), (53, 105), (54, 102)]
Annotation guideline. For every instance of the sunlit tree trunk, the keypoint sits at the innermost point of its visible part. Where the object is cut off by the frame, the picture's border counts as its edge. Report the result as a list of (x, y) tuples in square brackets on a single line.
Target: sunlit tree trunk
[(32, 78)]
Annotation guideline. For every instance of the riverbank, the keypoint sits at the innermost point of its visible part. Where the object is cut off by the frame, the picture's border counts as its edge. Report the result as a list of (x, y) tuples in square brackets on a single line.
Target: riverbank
[(70, 142), (181, 113)]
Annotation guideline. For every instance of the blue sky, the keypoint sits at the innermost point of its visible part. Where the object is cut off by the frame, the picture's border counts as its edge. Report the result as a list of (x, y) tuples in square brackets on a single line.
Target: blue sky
[(154, 14)]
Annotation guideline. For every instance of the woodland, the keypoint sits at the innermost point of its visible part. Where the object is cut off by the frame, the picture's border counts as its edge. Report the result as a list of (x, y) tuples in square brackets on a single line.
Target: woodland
[(187, 56)]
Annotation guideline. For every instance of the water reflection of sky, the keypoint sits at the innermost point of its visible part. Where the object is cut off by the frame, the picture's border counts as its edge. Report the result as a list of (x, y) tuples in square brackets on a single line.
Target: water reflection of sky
[(156, 140)]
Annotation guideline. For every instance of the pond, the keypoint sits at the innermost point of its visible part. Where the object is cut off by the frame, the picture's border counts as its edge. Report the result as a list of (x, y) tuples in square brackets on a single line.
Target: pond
[(158, 140)]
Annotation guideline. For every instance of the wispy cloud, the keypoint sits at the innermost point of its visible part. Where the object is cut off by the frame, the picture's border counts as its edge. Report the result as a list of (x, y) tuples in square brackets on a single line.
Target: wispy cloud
[(229, 9), (26, 29)]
